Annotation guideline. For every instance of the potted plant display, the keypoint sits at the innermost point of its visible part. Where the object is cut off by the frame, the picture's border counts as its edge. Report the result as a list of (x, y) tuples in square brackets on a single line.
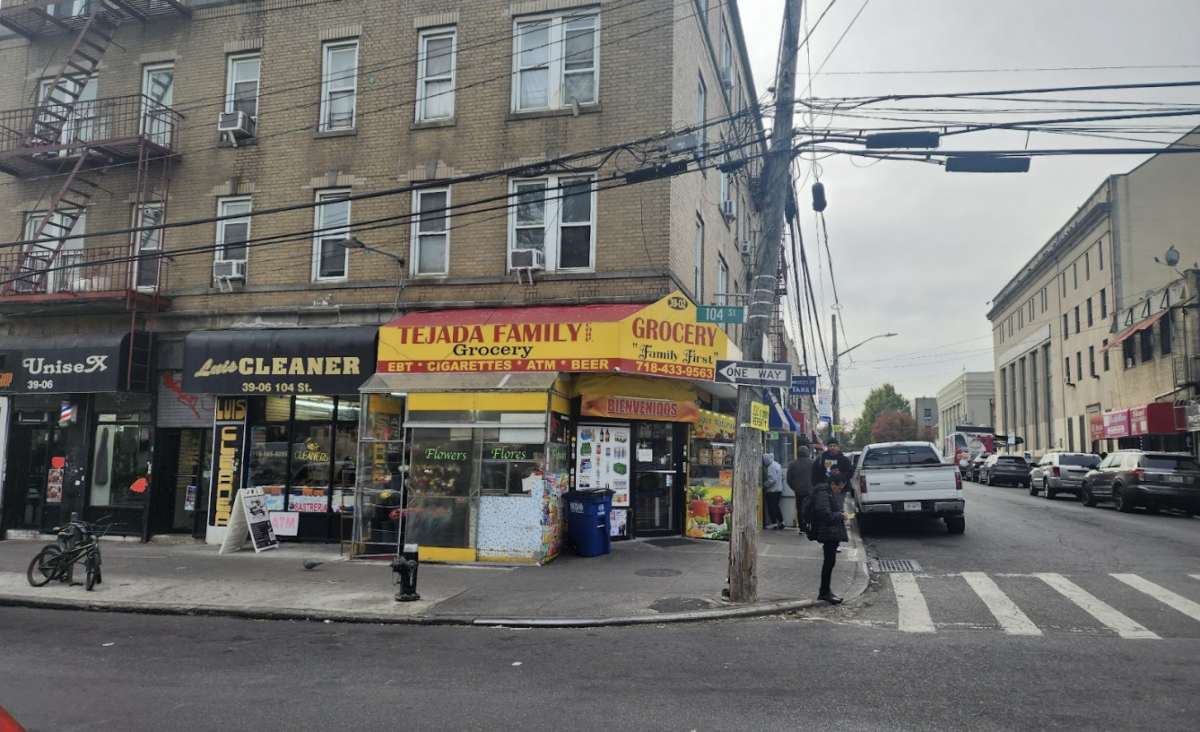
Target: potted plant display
[(718, 511), (698, 501)]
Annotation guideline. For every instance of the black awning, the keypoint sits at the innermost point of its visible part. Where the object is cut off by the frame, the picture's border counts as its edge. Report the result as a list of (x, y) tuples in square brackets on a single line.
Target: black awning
[(286, 362), (73, 364)]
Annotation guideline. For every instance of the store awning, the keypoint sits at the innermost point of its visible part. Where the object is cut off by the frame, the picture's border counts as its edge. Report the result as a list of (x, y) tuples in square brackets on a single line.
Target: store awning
[(292, 361), (780, 418), (80, 363), (1130, 331), (457, 383)]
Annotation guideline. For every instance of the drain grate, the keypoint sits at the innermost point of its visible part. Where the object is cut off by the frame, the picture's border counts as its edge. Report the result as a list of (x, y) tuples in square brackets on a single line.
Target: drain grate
[(896, 565)]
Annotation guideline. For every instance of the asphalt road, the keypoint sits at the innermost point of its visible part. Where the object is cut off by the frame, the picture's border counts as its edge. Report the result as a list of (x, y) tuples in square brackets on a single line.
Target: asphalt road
[(851, 668)]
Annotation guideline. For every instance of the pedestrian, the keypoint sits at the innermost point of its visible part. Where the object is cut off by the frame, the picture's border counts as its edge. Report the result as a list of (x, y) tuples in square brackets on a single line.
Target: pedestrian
[(773, 490), (831, 461), (831, 530), (799, 479)]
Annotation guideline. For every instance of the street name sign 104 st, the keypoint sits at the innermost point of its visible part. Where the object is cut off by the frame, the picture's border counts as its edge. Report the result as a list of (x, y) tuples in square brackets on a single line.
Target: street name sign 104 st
[(753, 373), (725, 314)]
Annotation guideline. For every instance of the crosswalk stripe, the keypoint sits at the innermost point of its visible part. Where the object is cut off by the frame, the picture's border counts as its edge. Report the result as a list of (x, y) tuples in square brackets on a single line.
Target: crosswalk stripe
[(1003, 609), (1162, 594), (1097, 608), (914, 613)]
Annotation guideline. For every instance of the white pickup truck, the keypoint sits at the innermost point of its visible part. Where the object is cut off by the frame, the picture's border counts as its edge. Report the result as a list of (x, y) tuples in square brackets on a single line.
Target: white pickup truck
[(908, 479)]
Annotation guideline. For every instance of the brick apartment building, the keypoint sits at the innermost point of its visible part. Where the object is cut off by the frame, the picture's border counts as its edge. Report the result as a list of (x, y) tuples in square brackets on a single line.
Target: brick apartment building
[(321, 168)]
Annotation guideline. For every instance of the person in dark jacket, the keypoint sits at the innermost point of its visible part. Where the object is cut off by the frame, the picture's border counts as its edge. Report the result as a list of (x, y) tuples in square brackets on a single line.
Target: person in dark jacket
[(831, 530), (830, 461), (799, 478)]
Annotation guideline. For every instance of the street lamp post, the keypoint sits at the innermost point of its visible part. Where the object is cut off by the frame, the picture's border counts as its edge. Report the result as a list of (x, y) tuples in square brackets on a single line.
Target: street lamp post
[(833, 367)]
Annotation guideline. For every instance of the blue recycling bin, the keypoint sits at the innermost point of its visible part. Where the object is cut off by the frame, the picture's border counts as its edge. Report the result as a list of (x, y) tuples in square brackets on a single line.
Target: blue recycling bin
[(588, 521)]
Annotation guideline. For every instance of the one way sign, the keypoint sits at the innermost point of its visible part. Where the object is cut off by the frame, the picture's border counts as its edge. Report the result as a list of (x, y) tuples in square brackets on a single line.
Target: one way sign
[(753, 373)]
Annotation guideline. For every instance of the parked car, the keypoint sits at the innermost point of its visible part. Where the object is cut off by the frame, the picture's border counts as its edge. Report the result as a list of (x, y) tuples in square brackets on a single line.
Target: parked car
[(1132, 478), (1060, 472), (1010, 469), (975, 464), (908, 479)]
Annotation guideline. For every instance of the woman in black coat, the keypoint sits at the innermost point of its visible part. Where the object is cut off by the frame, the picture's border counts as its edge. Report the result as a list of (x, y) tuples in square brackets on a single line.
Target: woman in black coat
[(831, 530)]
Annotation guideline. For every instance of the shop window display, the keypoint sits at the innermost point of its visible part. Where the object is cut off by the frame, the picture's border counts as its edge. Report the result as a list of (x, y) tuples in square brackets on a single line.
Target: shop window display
[(122, 454), (710, 477), (379, 480), (443, 492)]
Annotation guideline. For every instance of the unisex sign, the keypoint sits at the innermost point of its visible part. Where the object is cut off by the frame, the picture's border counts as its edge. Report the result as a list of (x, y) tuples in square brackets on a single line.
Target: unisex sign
[(66, 364), (300, 361), (661, 339)]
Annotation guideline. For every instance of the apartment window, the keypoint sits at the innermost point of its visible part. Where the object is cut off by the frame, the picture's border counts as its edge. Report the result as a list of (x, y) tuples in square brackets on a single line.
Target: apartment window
[(555, 61), (1146, 340), (1087, 265), (1079, 365), (1020, 318), (1164, 334), (725, 177), (339, 84), (555, 215), (1044, 299), (698, 284), (435, 75), (1078, 329), (1128, 352), (1104, 348), (1067, 368), (1031, 310), (431, 232), (722, 280), (1010, 324), (241, 84), (1062, 279), (1089, 312), (1104, 304), (1092, 360), (234, 233), (726, 60), (331, 222), (1066, 327), (1100, 255), (701, 111), (1075, 274), (149, 244)]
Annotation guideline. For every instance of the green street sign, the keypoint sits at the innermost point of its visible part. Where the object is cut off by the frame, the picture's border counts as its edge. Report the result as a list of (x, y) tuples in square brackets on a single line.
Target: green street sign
[(720, 314)]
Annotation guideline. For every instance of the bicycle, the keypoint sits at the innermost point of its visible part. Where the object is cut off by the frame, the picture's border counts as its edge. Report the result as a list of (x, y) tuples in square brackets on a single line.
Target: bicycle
[(78, 540)]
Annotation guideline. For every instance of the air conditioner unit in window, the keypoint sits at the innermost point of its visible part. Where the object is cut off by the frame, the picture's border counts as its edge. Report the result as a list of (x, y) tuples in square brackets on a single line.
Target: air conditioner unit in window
[(236, 126), (1129, 363), (747, 249), (528, 259), (1067, 380), (729, 209), (229, 270)]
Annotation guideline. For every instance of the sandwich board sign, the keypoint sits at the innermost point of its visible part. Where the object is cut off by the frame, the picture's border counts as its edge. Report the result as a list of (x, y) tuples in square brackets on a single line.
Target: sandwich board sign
[(249, 519)]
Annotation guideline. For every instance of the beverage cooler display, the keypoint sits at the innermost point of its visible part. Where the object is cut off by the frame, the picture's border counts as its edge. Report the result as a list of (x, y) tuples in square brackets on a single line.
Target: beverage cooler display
[(603, 462), (710, 477)]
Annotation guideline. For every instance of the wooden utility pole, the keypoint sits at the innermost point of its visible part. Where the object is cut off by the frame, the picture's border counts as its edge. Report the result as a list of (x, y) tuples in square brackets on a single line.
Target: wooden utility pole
[(776, 190)]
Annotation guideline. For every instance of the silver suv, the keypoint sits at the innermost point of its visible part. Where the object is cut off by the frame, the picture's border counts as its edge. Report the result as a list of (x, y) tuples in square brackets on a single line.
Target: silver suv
[(1061, 472)]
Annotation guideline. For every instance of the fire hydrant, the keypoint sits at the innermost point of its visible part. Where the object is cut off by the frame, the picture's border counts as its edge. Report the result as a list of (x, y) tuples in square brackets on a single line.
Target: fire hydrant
[(405, 566)]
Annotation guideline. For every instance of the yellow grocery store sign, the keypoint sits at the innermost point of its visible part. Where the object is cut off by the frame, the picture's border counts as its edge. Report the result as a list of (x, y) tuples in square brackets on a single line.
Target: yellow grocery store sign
[(661, 339), (760, 416)]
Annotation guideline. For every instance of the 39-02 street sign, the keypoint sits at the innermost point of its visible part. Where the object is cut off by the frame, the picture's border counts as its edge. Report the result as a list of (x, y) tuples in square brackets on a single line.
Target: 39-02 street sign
[(753, 373)]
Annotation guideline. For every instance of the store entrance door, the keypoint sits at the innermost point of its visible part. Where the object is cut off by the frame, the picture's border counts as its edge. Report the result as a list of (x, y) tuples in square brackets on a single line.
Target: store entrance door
[(657, 487), (179, 499), (25, 498)]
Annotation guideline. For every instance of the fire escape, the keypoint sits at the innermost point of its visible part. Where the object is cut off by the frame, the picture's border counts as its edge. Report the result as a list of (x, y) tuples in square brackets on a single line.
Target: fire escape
[(65, 145)]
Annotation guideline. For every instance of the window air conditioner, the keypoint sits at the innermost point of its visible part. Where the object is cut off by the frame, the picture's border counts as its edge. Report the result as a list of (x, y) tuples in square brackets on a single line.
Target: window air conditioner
[(727, 78), (729, 209), (1129, 363), (237, 125), (229, 270), (746, 250), (527, 259)]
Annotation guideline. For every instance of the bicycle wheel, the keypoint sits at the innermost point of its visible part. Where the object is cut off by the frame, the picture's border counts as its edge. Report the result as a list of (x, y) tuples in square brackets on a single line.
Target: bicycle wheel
[(92, 565), (46, 566)]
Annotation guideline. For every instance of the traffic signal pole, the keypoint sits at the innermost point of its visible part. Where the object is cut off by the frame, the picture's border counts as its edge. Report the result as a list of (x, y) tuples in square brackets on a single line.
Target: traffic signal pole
[(743, 545)]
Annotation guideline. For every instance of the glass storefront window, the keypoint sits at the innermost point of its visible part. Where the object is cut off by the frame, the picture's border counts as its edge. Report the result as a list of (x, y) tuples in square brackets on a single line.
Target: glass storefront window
[(270, 409), (268, 464), (379, 475), (507, 467), (443, 497), (314, 408), (312, 456), (120, 461)]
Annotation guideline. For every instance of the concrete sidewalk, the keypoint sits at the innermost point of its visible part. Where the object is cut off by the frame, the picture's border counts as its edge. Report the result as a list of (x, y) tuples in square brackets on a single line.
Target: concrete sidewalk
[(651, 581)]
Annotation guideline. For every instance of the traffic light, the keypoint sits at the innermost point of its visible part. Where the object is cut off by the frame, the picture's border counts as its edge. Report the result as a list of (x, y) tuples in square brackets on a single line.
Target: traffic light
[(818, 194)]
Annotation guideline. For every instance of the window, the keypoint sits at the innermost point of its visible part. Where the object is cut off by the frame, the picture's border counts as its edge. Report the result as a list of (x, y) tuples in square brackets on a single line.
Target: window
[(158, 92), (1078, 329), (1164, 334), (1146, 338), (1087, 265), (1089, 312), (1030, 310), (701, 111), (1104, 347), (1066, 329), (1128, 351), (241, 84), (233, 234), (431, 232), (722, 280), (1067, 368), (1100, 254), (1079, 365), (121, 454), (555, 215), (339, 84), (725, 177), (332, 225), (1010, 321), (726, 60), (1092, 360), (555, 61), (1104, 304), (698, 284), (149, 244), (1075, 274), (435, 75), (1062, 279), (1020, 318)]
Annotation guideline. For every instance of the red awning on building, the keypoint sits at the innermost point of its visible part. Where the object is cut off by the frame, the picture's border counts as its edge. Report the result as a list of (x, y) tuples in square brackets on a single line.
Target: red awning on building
[(1130, 331)]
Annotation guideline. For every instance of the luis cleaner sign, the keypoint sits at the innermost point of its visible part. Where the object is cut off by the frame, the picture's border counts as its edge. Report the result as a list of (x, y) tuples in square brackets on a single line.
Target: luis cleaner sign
[(660, 339), (229, 433), (301, 361)]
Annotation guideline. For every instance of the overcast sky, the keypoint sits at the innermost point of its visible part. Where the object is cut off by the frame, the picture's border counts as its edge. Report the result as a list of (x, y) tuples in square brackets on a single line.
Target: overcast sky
[(919, 251)]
